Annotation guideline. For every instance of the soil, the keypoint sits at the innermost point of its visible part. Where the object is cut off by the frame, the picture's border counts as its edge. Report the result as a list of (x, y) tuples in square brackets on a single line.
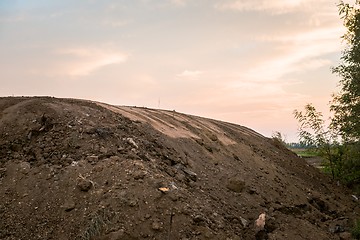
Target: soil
[(76, 169)]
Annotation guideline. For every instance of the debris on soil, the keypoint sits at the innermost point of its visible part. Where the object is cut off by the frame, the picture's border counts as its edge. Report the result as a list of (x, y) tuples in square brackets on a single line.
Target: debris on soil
[(76, 169)]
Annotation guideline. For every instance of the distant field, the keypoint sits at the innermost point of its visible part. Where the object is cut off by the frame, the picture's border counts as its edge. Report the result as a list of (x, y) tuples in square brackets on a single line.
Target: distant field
[(304, 152), (310, 156)]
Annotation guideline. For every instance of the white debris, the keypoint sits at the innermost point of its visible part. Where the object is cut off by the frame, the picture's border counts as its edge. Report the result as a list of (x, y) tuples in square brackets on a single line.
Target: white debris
[(74, 163), (132, 142), (260, 222), (355, 197)]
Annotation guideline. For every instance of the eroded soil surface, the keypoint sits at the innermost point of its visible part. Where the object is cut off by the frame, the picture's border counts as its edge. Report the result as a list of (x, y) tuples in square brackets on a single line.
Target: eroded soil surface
[(75, 169)]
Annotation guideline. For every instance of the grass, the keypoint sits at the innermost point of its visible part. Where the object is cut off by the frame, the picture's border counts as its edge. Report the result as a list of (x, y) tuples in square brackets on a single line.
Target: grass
[(98, 222), (305, 152)]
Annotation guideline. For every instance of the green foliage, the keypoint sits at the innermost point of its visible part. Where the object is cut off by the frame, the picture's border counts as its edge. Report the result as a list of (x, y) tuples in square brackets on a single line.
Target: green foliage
[(339, 143), (279, 137), (346, 104), (356, 230), (351, 168), (342, 159), (313, 131)]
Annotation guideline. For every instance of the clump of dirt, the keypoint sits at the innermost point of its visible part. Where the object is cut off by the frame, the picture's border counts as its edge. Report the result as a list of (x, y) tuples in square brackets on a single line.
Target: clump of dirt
[(75, 169)]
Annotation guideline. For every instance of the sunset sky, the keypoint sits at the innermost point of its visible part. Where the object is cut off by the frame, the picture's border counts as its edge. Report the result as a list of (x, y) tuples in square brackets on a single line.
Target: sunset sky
[(250, 62)]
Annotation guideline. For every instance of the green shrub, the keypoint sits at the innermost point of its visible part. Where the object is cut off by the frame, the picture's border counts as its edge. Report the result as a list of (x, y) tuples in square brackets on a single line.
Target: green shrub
[(356, 230)]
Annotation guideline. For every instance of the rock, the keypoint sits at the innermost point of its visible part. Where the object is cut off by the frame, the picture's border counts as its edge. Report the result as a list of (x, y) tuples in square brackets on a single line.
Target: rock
[(174, 196), (190, 174), (24, 167), (244, 222), (115, 158), (236, 185), (2, 172), (83, 184), (104, 150), (118, 235), (206, 233), (131, 141), (213, 137), (260, 222), (139, 174), (199, 220), (98, 168), (252, 190), (164, 189), (132, 202), (336, 229), (68, 205), (92, 159), (355, 198), (345, 236), (157, 225)]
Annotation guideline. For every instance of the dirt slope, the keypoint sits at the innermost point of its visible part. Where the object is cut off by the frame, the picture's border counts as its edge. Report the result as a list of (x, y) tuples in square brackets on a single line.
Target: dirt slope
[(74, 169)]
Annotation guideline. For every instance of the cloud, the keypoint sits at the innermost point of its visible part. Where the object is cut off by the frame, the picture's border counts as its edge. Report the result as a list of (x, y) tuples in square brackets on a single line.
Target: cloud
[(309, 36), (179, 2), (83, 61), (13, 19), (299, 52), (274, 6), (115, 23), (190, 74)]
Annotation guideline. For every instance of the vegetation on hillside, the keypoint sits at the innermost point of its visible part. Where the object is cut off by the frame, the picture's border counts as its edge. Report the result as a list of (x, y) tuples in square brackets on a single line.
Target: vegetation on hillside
[(339, 142)]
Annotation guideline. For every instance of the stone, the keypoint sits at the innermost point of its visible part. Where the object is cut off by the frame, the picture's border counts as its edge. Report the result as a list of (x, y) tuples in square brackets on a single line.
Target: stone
[(236, 185), (24, 167), (190, 174), (345, 236), (117, 235), (84, 184), (260, 222), (244, 222), (68, 205), (139, 174), (2, 172), (131, 141), (132, 202), (199, 220), (98, 168), (156, 225), (115, 158), (336, 228), (92, 159), (213, 137)]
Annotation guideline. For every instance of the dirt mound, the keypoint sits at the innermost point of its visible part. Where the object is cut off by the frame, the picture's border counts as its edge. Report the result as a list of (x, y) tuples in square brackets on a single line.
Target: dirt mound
[(75, 169)]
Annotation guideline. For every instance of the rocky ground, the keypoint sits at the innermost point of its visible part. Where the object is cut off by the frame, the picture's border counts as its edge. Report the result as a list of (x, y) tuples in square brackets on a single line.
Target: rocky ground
[(75, 169)]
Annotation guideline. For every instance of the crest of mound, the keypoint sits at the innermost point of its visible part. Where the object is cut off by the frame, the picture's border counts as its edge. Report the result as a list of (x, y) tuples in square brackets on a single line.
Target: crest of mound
[(76, 169)]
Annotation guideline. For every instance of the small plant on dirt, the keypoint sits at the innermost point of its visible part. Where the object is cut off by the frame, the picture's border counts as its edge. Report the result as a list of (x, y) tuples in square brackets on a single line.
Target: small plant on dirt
[(97, 224), (355, 232), (278, 136)]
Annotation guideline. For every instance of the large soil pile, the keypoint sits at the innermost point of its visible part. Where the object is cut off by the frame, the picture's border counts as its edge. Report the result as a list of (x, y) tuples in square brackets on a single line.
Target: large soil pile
[(73, 169)]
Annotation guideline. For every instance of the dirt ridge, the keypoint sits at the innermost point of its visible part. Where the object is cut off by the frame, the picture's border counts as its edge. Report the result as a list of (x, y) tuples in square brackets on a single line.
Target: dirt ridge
[(77, 169)]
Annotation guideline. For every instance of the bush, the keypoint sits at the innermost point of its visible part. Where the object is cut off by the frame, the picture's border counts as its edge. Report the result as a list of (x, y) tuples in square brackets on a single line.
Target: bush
[(356, 230)]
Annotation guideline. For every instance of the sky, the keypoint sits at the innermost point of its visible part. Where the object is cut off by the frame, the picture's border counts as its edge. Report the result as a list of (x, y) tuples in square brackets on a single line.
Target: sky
[(249, 62)]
